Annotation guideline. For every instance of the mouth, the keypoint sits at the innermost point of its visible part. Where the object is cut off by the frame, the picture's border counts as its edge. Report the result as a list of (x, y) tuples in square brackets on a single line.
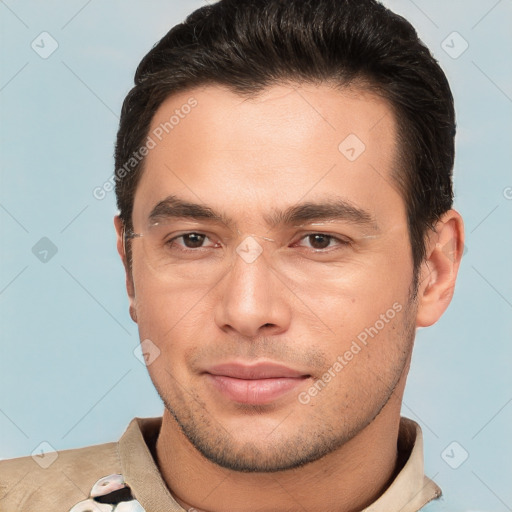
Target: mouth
[(254, 384)]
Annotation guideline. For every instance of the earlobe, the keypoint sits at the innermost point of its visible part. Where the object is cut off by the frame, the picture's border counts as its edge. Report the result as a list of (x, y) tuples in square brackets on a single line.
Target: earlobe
[(121, 249), (439, 271)]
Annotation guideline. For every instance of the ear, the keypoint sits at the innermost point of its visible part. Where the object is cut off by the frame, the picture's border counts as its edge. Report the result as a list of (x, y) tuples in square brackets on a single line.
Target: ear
[(130, 288), (438, 273)]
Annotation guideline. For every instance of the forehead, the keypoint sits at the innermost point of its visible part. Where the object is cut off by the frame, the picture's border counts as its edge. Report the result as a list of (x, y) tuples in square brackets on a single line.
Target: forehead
[(288, 143)]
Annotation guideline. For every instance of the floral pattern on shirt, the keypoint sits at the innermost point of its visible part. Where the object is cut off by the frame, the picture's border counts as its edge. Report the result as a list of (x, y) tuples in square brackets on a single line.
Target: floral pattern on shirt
[(109, 494)]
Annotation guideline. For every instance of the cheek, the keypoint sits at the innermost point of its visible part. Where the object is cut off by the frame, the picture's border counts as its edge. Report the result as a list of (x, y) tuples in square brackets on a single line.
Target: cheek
[(169, 319), (176, 317), (164, 311), (366, 360), (356, 295), (367, 313)]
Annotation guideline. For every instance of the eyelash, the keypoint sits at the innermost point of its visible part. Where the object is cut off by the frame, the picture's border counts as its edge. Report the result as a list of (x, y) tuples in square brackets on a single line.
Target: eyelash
[(342, 242)]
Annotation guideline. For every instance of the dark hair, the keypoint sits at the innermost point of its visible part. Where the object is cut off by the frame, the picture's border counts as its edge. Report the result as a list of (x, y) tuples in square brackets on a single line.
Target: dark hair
[(248, 45)]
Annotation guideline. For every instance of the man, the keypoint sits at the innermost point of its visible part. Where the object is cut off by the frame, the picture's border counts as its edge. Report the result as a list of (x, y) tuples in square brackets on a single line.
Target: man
[(283, 175)]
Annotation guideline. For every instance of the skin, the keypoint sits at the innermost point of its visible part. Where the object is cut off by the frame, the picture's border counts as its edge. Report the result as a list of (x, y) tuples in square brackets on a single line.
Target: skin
[(292, 305)]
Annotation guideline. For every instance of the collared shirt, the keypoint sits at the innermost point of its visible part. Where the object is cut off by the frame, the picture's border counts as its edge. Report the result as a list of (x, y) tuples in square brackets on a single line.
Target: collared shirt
[(124, 477)]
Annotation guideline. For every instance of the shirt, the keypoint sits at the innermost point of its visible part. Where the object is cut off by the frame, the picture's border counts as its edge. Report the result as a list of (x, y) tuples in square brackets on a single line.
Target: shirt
[(124, 477)]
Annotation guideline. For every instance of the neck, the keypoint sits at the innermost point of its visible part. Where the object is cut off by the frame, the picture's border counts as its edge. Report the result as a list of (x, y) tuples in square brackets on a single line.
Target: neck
[(346, 480)]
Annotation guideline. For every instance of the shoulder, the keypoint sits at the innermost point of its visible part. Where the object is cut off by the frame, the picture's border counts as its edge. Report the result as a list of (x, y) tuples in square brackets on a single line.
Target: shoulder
[(56, 480)]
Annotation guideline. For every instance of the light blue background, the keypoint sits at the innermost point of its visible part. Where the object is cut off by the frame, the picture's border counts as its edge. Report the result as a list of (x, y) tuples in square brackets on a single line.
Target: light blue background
[(68, 374)]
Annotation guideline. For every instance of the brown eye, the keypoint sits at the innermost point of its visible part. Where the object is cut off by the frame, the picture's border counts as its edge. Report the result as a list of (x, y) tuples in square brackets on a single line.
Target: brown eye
[(319, 241), (193, 240), (192, 243), (322, 241)]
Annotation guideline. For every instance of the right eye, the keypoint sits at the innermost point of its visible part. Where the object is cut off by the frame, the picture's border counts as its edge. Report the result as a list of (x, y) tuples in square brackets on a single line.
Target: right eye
[(190, 242)]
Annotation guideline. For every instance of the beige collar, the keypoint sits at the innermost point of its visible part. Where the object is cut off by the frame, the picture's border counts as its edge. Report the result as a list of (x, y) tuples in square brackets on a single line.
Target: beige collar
[(411, 489), (408, 492)]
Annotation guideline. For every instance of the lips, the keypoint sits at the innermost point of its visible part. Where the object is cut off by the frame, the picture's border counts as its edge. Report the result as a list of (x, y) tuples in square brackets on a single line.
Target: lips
[(254, 384), (257, 371)]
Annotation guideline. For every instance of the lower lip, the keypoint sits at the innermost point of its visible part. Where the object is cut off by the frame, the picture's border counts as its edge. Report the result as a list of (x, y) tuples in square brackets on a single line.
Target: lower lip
[(255, 391)]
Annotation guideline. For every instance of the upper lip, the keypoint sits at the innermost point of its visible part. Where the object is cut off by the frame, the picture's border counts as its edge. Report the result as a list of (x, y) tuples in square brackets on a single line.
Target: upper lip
[(254, 371)]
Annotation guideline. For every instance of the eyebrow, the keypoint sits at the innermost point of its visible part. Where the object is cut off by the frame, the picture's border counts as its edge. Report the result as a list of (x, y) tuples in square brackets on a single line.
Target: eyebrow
[(331, 209)]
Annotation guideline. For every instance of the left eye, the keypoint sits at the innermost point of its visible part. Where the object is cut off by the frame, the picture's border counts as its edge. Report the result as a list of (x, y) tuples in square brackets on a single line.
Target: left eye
[(320, 241), (191, 240)]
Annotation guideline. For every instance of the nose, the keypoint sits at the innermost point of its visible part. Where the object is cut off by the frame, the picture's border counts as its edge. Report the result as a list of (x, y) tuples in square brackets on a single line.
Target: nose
[(253, 301)]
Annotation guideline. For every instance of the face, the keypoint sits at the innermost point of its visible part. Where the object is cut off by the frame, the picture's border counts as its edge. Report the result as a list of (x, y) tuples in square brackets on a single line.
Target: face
[(272, 270)]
